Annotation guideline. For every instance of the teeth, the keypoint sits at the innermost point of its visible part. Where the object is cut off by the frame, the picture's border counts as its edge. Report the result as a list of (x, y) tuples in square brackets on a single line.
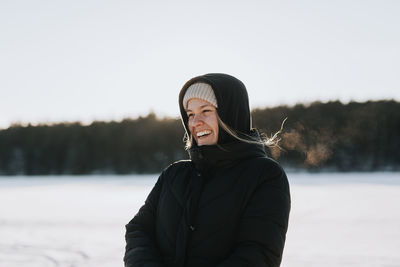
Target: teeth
[(202, 133)]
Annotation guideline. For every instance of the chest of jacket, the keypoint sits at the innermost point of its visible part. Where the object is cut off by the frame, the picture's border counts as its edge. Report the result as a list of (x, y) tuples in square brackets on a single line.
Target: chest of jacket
[(210, 234)]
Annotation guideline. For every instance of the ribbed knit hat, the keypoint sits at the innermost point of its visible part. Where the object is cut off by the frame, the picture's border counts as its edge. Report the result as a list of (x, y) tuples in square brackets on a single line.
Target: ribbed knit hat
[(203, 91)]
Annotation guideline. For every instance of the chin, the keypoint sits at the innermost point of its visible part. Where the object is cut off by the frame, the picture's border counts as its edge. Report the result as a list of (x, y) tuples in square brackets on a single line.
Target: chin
[(205, 143)]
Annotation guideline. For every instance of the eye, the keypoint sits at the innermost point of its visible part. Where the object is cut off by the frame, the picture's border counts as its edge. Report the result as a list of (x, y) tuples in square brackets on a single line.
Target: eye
[(190, 115), (207, 110)]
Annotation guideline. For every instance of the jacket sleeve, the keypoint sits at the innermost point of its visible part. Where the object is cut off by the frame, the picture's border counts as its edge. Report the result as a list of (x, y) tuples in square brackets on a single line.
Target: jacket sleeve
[(141, 249), (263, 225)]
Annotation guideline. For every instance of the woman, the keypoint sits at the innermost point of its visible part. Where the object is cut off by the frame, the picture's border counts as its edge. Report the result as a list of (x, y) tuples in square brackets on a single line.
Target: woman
[(226, 206)]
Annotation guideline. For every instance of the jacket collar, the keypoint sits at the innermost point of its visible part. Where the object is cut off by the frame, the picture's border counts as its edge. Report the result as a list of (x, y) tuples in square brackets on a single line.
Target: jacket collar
[(206, 158)]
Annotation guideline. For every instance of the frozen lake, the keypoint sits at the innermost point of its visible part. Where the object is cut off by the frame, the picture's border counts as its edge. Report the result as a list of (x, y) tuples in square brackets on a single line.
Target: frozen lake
[(336, 220)]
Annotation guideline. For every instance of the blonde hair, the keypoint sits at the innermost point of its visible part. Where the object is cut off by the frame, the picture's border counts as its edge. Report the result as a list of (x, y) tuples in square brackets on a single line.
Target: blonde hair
[(270, 142)]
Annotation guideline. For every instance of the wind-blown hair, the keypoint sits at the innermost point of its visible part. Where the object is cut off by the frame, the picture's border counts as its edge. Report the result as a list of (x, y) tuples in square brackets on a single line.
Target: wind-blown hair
[(270, 142)]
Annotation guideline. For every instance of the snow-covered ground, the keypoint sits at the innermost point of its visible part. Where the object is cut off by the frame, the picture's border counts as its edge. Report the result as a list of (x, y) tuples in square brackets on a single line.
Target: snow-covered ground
[(336, 220)]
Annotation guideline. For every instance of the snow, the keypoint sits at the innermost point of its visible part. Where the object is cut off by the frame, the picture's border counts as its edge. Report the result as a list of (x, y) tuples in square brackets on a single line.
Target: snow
[(336, 219)]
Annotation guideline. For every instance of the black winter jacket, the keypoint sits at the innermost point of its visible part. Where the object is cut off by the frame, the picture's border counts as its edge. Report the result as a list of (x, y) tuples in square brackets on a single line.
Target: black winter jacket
[(227, 206)]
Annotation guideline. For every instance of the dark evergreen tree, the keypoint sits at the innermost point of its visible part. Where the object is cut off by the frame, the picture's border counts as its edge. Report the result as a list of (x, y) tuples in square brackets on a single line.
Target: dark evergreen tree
[(319, 136)]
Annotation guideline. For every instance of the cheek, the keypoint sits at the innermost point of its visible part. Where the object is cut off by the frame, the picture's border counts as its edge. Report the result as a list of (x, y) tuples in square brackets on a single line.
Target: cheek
[(190, 127), (213, 122), (216, 131)]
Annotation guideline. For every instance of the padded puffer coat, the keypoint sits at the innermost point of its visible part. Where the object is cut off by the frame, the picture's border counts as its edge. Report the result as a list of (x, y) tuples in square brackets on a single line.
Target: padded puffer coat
[(227, 206)]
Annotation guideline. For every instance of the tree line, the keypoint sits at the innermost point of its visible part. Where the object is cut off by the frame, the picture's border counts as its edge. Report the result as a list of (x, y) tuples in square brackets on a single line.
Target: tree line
[(319, 137)]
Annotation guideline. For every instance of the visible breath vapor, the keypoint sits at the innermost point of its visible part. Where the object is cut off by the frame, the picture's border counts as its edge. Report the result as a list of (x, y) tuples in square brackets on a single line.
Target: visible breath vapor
[(316, 145)]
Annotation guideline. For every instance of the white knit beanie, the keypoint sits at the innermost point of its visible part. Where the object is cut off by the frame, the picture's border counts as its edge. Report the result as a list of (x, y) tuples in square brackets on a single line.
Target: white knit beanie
[(203, 91)]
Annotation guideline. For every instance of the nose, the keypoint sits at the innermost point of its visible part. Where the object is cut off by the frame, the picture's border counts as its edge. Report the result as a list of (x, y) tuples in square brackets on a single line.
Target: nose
[(196, 121)]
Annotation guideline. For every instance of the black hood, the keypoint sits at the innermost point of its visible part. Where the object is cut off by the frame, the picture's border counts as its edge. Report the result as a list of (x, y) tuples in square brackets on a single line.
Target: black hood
[(233, 103)]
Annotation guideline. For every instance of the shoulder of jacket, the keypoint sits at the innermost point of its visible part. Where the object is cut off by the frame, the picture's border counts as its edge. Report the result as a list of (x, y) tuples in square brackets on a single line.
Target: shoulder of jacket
[(176, 166), (265, 162), (269, 168), (179, 164)]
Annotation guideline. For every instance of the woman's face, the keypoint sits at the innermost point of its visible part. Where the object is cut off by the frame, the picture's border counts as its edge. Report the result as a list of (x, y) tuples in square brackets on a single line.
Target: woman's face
[(202, 121)]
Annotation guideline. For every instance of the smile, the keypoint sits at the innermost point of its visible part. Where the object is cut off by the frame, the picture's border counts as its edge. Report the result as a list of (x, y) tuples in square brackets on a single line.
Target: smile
[(203, 133)]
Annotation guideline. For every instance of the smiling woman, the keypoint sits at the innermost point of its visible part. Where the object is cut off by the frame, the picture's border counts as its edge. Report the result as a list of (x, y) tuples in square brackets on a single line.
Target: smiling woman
[(226, 206), (202, 121)]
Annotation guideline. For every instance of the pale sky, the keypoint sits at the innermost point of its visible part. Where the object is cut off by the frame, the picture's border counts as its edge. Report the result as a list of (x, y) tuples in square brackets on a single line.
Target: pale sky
[(107, 60)]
